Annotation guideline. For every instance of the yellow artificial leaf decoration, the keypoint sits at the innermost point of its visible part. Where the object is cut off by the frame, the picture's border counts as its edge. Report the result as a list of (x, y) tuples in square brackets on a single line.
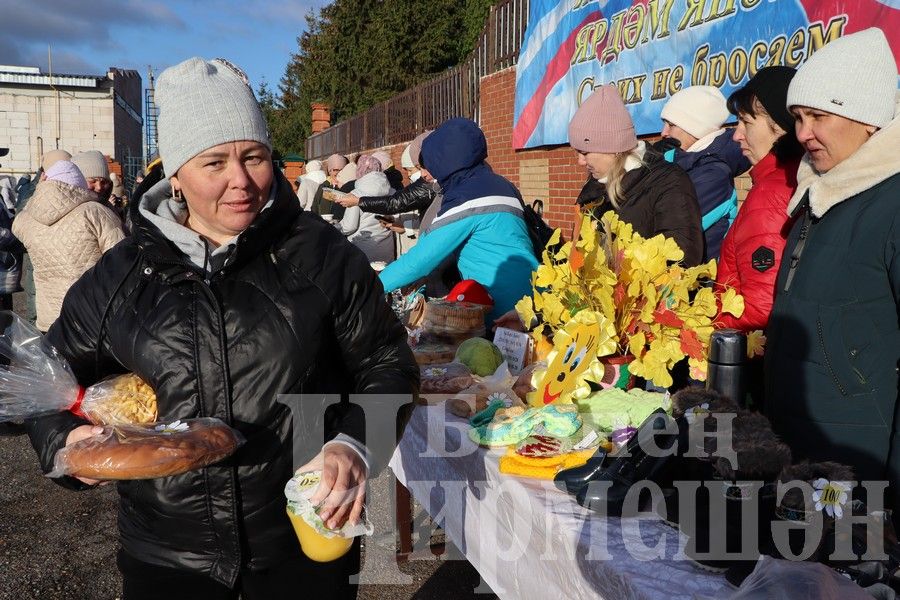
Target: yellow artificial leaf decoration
[(656, 309), (525, 309), (544, 276), (756, 344), (732, 303)]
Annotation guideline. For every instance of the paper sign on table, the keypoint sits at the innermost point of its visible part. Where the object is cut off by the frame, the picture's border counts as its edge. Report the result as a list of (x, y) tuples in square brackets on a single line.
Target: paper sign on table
[(515, 347)]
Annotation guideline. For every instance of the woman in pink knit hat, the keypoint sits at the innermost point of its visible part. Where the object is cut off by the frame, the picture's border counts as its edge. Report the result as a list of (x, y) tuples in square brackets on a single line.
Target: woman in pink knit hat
[(631, 178)]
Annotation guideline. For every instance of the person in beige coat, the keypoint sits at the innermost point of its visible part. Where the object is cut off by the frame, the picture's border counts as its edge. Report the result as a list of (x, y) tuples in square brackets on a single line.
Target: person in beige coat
[(65, 230)]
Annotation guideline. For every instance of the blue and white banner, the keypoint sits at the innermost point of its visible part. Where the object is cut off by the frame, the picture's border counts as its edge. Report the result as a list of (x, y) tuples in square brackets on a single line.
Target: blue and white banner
[(652, 48)]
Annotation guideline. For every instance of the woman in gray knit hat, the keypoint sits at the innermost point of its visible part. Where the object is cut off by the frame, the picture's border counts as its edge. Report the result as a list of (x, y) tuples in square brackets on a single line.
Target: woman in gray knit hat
[(226, 296)]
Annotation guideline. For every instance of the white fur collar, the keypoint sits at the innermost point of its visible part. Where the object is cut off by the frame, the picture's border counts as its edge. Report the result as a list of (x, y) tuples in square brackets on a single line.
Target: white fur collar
[(704, 142), (875, 161)]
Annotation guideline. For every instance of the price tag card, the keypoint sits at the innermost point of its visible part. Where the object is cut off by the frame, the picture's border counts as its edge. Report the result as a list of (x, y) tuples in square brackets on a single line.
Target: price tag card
[(515, 347)]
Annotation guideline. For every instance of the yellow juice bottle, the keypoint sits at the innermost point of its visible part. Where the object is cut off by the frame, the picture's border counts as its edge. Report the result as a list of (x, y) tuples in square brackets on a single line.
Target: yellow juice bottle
[(318, 546)]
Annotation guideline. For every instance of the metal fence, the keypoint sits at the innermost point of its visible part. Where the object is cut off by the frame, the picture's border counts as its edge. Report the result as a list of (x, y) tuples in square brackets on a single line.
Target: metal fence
[(454, 93)]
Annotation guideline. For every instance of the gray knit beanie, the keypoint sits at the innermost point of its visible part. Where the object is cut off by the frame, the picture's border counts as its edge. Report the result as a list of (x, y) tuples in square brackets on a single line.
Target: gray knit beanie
[(203, 104), (92, 164), (854, 76)]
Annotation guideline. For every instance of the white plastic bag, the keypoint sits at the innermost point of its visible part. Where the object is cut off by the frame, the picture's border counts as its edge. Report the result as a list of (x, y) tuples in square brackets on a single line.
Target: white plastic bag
[(774, 579)]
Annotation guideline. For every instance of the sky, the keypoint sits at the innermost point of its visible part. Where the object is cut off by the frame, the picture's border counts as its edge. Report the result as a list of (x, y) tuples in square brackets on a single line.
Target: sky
[(89, 36)]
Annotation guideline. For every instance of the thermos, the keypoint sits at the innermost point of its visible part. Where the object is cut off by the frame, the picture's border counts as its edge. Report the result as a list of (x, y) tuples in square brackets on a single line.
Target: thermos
[(727, 365)]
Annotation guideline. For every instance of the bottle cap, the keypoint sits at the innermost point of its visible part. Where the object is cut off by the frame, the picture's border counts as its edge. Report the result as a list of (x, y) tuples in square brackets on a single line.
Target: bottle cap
[(728, 347)]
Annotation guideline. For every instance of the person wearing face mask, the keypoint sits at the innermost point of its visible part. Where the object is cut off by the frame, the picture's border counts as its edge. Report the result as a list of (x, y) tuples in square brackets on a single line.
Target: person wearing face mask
[(751, 252), (654, 196), (226, 296), (833, 337)]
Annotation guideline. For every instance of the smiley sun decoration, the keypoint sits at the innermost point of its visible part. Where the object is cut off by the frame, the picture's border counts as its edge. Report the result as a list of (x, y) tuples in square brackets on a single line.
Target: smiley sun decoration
[(574, 360)]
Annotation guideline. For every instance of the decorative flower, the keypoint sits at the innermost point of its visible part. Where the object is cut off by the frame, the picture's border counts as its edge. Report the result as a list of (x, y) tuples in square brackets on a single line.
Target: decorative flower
[(173, 427), (493, 397), (659, 311), (831, 496), (696, 413)]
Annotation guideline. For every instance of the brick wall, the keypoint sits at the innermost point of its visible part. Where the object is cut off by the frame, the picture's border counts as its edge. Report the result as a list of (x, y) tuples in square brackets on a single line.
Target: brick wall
[(548, 174)]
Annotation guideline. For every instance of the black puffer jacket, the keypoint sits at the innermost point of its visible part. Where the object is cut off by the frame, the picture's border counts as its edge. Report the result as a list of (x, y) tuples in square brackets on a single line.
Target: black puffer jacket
[(416, 196), (659, 198), (296, 310)]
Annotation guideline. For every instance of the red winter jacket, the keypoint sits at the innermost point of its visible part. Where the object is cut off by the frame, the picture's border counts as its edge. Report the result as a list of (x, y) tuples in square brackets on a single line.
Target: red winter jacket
[(751, 252)]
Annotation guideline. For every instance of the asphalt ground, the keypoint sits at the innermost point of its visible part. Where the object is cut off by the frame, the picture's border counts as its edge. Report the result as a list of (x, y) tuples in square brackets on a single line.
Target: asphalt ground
[(56, 544)]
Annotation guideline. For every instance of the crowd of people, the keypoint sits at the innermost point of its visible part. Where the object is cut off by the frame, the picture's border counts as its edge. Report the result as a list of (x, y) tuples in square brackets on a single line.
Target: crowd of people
[(233, 285)]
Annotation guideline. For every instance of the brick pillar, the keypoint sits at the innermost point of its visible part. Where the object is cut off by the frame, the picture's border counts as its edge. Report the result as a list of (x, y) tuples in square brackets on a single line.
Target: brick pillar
[(321, 117), (292, 170)]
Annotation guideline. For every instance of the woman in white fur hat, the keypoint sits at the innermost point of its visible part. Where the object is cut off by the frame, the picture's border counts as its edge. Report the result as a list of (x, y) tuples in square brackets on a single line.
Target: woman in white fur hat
[(833, 336)]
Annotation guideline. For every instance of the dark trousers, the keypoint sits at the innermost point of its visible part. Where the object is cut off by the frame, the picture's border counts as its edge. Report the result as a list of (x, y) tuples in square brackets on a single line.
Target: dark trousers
[(6, 302), (296, 577)]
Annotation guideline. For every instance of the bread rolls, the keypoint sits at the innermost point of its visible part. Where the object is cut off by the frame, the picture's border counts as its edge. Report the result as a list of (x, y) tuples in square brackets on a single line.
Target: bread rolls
[(147, 452)]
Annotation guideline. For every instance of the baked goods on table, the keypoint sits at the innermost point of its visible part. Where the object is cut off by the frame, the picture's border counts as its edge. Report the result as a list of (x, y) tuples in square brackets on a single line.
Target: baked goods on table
[(429, 353), (148, 451), (445, 378), (444, 316)]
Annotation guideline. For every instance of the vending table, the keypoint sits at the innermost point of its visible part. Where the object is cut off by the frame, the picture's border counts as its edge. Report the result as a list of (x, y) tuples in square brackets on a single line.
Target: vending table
[(529, 540)]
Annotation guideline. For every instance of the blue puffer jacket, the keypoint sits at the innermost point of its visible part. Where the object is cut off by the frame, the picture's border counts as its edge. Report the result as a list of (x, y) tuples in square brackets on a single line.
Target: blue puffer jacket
[(480, 220), (712, 170)]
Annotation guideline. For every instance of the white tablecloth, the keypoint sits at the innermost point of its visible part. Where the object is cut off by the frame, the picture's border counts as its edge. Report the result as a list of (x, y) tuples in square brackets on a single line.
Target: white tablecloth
[(529, 540)]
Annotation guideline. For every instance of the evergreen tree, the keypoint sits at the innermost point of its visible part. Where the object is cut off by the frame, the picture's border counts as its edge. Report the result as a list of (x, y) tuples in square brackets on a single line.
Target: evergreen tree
[(356, 53)]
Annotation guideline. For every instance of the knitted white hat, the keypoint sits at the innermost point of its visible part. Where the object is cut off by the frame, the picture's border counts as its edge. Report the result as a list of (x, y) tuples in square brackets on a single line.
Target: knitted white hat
[(203, 104), (92, 164), (854, 76), (406, 160), (699, 110), (52, 157)]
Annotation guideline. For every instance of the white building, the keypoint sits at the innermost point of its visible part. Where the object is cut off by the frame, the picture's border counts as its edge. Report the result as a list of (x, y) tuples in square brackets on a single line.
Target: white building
[(40, 112)]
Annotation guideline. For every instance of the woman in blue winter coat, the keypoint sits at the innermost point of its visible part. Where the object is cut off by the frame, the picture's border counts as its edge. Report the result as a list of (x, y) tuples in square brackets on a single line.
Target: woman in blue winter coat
[(480, 220)]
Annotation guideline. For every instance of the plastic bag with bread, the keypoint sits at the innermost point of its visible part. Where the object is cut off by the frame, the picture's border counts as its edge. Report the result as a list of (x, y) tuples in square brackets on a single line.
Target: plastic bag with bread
[(148, 451), (36, 380)]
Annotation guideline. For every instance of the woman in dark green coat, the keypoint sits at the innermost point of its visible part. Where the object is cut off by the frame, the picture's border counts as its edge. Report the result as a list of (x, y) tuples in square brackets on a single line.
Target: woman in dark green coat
[(834, 339)]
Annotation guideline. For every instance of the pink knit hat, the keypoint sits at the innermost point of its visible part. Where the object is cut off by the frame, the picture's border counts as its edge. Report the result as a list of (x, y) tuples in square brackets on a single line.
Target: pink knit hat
[(384, 158), (415, 147), (366, 164), (336, 161), (602, 124)]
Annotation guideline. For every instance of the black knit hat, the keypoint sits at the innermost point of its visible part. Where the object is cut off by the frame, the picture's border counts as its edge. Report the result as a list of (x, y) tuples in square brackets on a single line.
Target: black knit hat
[(770, 87)]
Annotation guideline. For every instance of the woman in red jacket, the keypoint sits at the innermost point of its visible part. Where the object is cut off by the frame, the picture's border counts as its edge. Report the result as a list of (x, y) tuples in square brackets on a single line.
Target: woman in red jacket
[(751, 252)]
